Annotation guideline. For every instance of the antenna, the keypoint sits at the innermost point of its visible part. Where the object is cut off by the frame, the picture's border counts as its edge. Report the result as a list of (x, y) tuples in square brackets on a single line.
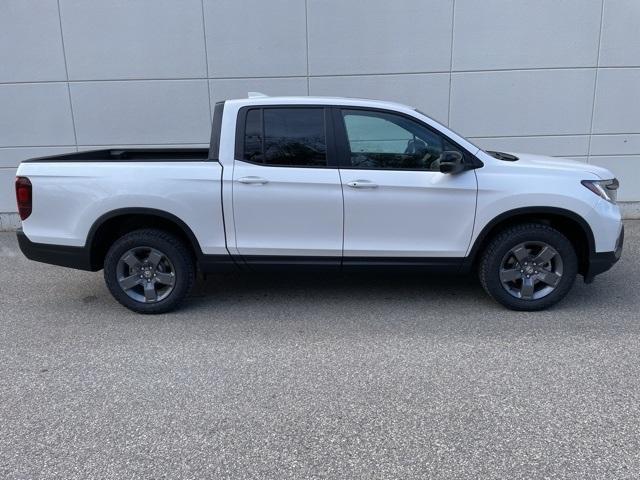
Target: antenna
[(256, 95)]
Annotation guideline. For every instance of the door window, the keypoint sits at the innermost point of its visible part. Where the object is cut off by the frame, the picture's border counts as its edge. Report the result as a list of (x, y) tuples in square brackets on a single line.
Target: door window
[(381, 140), (286, 137)]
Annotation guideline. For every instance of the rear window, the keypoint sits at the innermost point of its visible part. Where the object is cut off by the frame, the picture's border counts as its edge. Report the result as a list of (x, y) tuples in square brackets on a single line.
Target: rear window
[(286, 137)]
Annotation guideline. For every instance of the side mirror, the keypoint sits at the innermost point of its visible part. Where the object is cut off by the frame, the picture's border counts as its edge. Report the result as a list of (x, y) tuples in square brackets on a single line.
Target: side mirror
[(451, 162)]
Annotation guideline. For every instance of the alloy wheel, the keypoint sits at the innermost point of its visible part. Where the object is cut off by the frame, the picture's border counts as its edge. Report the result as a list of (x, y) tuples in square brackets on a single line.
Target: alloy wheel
[(531, 270), (146, 274)]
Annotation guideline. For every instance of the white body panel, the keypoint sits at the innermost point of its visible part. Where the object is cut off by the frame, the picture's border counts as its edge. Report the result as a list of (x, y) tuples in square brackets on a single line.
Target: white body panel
[(309, 211), (298, 211), (69, 197), (408, 213), (537, 181)]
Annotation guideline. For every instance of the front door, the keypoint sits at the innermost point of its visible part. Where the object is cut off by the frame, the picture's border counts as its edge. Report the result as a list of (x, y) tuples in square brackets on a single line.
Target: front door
[(396, 201), (287, 199)]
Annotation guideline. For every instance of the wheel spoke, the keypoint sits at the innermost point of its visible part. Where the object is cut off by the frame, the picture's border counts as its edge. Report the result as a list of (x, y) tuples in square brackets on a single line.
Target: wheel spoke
[(131, 260), (165, 278), (545, 255), (550, 278), (150, 294), (526, 291), (520, 253), (154, 258), (510, 275), (129, 282)]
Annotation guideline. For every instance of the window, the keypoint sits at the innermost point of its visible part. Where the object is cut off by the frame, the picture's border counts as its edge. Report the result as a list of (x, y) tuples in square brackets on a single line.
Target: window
[(253, 136), (385, 140), (286, 137)]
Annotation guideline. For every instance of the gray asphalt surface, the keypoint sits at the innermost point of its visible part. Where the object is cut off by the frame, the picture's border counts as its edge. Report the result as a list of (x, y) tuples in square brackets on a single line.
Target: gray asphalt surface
[(317, 377)]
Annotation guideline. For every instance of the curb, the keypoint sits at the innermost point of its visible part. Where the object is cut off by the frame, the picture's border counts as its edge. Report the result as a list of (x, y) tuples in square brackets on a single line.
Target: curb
[(630, 210), (9, 222)]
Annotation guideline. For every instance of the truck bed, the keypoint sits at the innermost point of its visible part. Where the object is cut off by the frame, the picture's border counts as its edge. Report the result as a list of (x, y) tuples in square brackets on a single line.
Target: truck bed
[(129, 155), (74, 192)]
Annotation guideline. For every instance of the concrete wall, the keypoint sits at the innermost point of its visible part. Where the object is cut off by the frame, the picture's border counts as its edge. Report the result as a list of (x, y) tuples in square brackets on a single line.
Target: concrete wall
[(558, 77)]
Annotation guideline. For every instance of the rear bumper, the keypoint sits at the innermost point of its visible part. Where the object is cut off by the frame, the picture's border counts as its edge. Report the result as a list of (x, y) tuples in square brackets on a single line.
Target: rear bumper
[(62, 255), (602, 261)]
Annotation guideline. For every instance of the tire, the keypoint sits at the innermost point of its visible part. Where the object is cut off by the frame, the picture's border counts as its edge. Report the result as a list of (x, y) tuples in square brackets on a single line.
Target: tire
[(146, 260), (512, 271)]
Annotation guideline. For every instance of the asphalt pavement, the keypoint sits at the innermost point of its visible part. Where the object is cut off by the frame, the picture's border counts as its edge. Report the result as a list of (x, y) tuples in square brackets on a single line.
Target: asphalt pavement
[(317, 376)]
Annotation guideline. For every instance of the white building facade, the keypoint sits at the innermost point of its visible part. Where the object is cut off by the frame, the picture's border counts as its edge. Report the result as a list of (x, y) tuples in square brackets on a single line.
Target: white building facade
[(556, 77)]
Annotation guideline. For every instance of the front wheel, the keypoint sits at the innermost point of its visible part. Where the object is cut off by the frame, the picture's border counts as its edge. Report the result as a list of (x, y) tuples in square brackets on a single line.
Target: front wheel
[(528, 267), (149, 271)]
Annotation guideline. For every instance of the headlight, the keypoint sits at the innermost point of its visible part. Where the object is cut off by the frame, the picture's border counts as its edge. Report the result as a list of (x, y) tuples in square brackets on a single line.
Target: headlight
[(607, 189)]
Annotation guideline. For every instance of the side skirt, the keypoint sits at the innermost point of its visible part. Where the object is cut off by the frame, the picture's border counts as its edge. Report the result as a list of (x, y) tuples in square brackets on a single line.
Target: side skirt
[(268, 263), (418, 264)]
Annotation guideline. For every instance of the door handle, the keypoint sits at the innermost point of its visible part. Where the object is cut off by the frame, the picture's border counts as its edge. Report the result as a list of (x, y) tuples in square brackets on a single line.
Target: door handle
[(362, 184), (253, 180)]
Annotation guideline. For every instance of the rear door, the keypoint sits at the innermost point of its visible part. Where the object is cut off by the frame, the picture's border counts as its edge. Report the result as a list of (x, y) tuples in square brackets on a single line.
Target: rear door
[(287, 196), (397, 204)]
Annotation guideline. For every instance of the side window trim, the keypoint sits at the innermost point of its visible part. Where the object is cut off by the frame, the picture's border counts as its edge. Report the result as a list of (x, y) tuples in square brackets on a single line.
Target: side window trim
[(329, 129), (343, 148), (216, 128), (261, 134)]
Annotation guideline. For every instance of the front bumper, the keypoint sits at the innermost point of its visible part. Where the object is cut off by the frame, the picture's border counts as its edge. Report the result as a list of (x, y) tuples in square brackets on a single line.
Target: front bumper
[(602, 261)]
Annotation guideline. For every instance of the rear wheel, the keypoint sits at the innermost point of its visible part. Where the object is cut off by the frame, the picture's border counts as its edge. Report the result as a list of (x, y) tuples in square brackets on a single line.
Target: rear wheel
[(149, 271), (528, 267)]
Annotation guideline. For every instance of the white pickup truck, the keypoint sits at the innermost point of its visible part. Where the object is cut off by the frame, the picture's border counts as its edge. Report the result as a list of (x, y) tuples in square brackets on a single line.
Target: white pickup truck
[(334, 183)]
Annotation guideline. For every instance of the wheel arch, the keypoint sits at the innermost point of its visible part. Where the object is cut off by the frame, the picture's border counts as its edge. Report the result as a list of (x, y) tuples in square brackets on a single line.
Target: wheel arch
[(112, 225), (569, 223)]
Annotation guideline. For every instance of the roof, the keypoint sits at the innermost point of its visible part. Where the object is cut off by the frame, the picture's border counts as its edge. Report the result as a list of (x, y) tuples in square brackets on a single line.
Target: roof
[(300, 100)]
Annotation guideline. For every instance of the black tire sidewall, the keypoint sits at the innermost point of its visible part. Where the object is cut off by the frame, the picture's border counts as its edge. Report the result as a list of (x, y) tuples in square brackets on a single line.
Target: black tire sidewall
[(167, 244), (500, 246)]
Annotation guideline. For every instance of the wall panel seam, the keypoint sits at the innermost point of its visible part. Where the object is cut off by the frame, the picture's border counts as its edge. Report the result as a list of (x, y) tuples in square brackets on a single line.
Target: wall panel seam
[(453, 26), (595, 83), (380, 74), (306, 31), (66, 69), (206, 57), (476, 137)]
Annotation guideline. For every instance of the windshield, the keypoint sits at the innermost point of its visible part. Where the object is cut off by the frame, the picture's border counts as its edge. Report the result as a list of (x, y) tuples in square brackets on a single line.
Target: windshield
[(449, 128)]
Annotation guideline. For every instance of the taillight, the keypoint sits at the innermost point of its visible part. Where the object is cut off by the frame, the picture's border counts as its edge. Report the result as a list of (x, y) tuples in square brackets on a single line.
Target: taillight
[(24, 196)]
